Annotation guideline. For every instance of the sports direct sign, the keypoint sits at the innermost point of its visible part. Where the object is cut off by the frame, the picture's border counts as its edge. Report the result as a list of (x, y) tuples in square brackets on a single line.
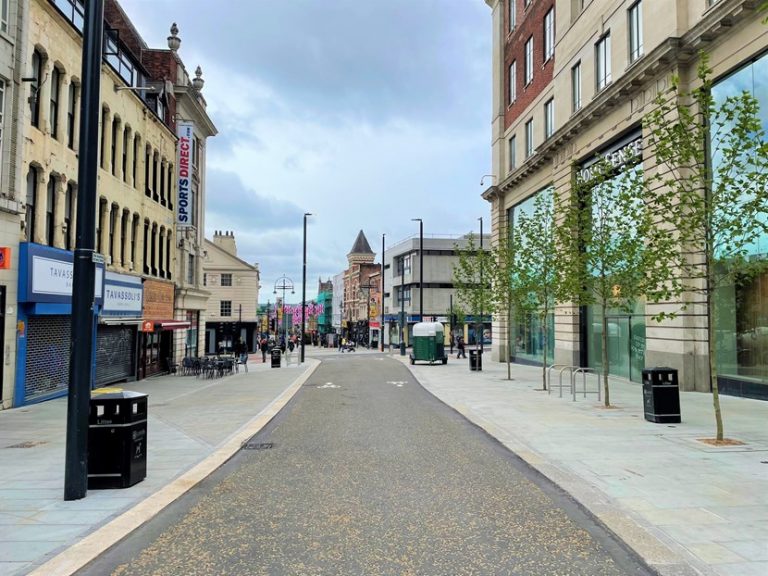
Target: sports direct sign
[(185, 131)]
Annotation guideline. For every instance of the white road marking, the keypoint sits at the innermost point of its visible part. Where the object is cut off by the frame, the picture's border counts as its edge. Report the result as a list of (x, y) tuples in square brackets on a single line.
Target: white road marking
[(399, 384), (329, 385)]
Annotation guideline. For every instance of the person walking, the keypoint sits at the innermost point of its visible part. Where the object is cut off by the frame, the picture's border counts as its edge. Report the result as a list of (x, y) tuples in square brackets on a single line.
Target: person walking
[(242, 354), (460, 345), (264, 346)]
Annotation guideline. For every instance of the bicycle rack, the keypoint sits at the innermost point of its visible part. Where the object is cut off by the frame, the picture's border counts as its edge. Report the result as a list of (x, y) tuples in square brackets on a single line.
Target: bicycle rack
[(549, 376), (560, 380), (584, 371)]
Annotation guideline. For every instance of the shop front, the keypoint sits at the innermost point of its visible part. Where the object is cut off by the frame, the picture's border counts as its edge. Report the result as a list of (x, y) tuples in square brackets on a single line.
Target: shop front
[(118, 329), (626, 330), (44, 321), (156, 351)]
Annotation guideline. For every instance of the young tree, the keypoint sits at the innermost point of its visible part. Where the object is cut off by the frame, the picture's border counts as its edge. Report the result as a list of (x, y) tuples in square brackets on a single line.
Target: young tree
[(712, 160), (471, 278), (614, 251), (533, 274)]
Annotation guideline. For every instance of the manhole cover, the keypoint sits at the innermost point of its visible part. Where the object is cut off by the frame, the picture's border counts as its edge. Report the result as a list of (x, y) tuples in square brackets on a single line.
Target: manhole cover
[(250, 445), (29, 444)]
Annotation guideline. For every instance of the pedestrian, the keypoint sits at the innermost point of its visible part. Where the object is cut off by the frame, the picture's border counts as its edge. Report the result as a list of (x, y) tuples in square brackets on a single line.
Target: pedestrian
[(342, 342), (460, 344), (242, 354), (282, 344), (264, 345)]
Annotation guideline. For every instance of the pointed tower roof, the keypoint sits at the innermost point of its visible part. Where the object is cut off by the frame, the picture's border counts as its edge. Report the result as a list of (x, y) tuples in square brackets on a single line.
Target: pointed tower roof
[(361, 245), (361, 252)]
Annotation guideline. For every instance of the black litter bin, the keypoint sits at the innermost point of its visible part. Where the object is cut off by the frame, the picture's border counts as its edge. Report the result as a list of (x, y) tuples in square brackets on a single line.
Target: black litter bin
[(661, 395), (117, 439), (476, 360), (275, 356)]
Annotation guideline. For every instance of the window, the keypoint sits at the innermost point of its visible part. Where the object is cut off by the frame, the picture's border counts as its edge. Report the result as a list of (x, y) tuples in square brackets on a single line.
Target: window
[(118, 59), (190, 268), (226, 279), (37, 73), (134, 234), (111, 230), (54, 114), (4, 15), (205, 279), (103, 140), (50, 222), (113, 152), (29, 216), (99, 220), (512, 149), (69, 206), (403, 294), (147, 169), (512, 14), (549, 118), (549, 34), (2, 114), (73, 10), (529, 138), (71, 107), (146, 247), (512, 82), (225, 308), (635, 14), (126, 143), (576, 87), (603, 61), (529, 61)]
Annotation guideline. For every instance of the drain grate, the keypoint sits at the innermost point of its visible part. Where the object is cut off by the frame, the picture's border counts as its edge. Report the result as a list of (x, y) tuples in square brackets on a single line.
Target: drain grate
[(29, 444), (251, 445)]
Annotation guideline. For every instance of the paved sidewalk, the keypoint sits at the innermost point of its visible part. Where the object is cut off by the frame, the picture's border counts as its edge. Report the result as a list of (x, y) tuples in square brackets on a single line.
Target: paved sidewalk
[(687, 508), (194, 425)]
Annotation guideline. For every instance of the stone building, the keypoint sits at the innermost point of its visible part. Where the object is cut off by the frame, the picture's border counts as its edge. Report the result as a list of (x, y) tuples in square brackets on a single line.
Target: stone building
[(590, 71), (13, 103), (232, 312), (357, 289), (136, 208)]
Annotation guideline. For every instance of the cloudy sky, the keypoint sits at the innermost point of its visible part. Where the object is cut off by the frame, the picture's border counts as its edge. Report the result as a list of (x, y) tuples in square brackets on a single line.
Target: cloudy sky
[(366, 113)]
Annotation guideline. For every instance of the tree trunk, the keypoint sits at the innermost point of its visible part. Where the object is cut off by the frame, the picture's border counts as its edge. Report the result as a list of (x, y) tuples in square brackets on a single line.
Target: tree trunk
[(711, 346), (544, 363), (605, 355), (509, 341)]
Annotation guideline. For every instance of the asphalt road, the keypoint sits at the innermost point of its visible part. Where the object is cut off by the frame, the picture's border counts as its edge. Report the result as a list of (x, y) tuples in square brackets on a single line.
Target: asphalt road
[(365, 473)]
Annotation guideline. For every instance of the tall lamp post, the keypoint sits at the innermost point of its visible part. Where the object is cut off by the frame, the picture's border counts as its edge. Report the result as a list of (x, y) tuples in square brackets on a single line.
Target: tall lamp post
[(381, 321), (480, 255), (421, 267), (283, 283), (304, 286), (402, 316), (84, 279)]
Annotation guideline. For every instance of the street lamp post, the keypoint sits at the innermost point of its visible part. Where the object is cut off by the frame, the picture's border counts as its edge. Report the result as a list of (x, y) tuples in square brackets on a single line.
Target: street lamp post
[(84, 279), (381, 321), (283, 283), (304, 286), (482, 260), (402, 316), (421, 267)]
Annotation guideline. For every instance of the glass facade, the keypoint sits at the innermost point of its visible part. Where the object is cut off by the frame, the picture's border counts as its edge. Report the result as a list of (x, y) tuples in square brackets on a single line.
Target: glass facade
[(741, 323), (526, 337), (626, 329)]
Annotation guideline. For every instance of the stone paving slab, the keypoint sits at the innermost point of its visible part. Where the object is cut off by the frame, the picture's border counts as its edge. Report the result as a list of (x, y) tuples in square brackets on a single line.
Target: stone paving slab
[(686, 507), (189, 419)]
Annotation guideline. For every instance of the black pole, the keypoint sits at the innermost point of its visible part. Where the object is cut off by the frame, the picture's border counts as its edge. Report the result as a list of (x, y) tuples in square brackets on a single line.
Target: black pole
[(304, 286), (84, 279), (450, 299), (402, 317), (381, 321), (421, 270), (480, 255)]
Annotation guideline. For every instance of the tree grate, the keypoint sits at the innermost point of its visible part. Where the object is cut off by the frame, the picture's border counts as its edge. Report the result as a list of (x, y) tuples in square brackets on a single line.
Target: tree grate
[(250, 445)]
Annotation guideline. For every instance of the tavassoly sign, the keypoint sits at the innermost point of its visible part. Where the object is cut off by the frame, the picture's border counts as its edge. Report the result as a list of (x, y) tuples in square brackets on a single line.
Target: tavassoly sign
[(185, 131), (123, 295), (47, 274)]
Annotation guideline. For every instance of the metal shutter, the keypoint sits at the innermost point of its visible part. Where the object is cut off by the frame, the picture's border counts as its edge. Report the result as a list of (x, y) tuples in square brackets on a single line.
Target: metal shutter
[(47, 361), (115, 354)]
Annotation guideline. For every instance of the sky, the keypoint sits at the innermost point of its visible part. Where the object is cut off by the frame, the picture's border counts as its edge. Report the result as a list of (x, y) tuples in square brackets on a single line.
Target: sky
[(364, 113)]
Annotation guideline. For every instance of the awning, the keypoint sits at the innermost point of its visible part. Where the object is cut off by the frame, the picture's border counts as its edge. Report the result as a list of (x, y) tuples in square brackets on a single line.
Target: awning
[(116, 321), (172, 324)]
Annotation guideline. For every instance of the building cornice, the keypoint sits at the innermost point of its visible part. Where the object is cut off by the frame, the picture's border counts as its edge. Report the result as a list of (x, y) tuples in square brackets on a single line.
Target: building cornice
[(671, 53)]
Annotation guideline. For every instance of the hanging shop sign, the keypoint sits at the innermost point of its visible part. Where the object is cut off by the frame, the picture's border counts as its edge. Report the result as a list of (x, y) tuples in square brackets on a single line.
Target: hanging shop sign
[(184, 199)]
